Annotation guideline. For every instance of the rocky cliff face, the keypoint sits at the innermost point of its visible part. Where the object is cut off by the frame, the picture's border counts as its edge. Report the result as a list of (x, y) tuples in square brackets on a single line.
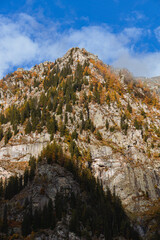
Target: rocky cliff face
[(15, 155), (116, 118)]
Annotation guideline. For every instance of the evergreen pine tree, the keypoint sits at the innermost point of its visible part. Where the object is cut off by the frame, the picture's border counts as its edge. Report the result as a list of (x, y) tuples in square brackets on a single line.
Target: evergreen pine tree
[(74, 222), (32, 164), (66, 118), (26, 224), (107, 124), (129, 108), (59, 110), (5, 221), (58, 206), (8, 135), (28, 128), (26, 177), (20, 183), (1, 134), (37, 219), (1, 188), (51, 216)]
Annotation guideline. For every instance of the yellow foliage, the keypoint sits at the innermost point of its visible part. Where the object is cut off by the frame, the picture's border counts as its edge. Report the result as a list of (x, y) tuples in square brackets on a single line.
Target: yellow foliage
[(139, 84), (33, 74), (103, 96), (93, 80), (87, 71), (14, 236), (60, 94), (111, 78), (127, 113)]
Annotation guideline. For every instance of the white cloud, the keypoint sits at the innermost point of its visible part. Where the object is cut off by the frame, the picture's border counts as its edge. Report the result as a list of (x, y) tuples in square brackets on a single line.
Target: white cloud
[(147, 65), (25, 42), (135, 16), (131, 34), (157, 33)]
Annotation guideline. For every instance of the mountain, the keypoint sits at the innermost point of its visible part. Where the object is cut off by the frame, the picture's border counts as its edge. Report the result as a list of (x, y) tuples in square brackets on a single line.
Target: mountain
[(105, 120)]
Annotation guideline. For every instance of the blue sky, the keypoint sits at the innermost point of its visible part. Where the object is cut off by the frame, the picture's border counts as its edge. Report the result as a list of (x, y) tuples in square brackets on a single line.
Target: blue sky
[(122, 33)]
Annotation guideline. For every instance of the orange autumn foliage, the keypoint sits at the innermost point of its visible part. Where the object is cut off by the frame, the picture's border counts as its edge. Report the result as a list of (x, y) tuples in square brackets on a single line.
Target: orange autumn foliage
[(103, 96), (111, 79), (87, 71)]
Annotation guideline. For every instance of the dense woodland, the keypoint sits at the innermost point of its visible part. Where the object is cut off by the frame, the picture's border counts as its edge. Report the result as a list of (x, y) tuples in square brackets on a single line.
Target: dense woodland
[(108, 217)]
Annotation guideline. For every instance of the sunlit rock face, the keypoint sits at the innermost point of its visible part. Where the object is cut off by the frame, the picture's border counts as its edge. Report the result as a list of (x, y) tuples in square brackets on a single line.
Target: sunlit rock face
[(132, 184)]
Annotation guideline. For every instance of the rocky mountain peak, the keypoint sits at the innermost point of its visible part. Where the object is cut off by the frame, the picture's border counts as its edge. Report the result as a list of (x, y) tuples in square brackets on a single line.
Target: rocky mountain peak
[(75, 55), (79, 54)]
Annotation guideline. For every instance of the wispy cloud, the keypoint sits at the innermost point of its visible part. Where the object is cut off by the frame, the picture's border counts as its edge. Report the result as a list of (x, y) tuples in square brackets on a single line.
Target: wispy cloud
[(157, 33), (59, 4), (135, 16), (25, 42)]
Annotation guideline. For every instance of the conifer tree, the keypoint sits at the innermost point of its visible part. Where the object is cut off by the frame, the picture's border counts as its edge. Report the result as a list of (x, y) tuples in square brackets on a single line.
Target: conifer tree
[(5, 220), (32, 164), (1, 188), (37, 219), (52, 125), (1, 133), (28, 128), (26, 224), (15, 129), (58, 206), (66, 118), (129, 108), (8, 135), (62, 130), (51, 216), (74, 134), (68, 107), (74, 222), (44, 217), (3, 120), (26, 177), (59, 110), (20, 183), (107, 124)]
